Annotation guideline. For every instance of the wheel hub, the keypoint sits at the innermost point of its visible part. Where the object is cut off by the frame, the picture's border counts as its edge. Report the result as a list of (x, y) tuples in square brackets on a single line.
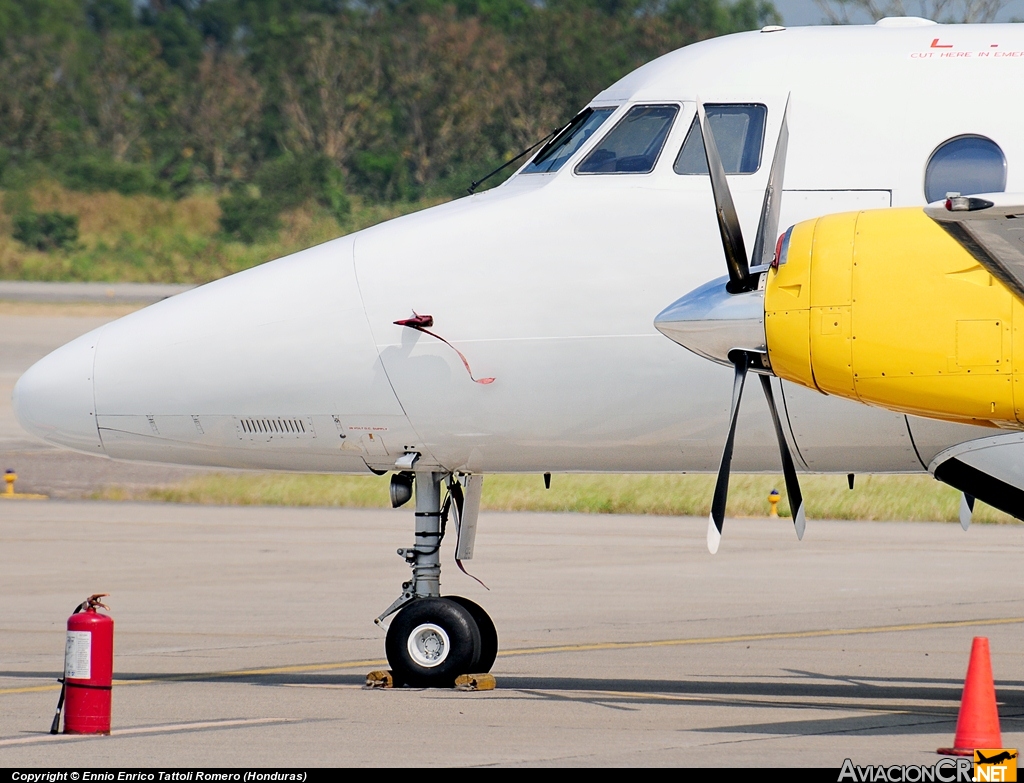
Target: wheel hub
[(429, 645)]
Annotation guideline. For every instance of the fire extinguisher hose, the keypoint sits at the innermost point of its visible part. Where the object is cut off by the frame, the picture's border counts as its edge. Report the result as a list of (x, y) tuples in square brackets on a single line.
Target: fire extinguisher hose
[(89, 603)]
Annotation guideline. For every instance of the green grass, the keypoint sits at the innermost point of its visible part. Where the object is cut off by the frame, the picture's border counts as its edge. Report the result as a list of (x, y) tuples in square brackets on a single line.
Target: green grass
[(916, 498), (154, 240)]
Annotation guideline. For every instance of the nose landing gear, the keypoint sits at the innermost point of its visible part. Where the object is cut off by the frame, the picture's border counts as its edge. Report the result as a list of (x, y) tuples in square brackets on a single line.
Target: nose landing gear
[(433, 640)]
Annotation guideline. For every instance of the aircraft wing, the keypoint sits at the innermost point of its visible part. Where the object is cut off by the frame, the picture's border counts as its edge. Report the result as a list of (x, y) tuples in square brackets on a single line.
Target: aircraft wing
[(990, 226)]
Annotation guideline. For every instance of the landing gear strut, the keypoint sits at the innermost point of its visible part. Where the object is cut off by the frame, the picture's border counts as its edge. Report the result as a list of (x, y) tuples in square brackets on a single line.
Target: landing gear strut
[(433, 640)]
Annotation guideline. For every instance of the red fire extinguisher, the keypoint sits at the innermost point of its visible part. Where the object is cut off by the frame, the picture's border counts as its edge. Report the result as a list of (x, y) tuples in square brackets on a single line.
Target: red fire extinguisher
[(88, 671)]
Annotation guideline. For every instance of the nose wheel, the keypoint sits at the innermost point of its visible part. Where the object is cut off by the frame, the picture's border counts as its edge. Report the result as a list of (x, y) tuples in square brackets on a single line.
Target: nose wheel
[(432, 640)]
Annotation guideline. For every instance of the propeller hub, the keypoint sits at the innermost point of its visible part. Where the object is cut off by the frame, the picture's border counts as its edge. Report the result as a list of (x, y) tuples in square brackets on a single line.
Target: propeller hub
[(713, 323)]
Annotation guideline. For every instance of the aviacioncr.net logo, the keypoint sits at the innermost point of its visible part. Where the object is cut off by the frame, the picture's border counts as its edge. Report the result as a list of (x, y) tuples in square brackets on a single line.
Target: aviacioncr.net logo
[(995, 765), (945, 770)]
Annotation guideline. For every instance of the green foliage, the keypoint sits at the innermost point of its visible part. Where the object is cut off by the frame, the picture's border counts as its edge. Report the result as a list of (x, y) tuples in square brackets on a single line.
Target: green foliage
[(181, 41), (382, 176), (248, 216), (272, 104), (106, 15), (61, 19), (284, 183), (143, 238), (455, 182), (505, 15), (293, 179), (332, 193), (46, 230), (93, 172), (709, 14)]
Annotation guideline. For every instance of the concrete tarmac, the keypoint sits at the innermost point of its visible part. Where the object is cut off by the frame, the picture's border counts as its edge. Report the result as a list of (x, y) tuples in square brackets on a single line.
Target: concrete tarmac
[(243, 636)]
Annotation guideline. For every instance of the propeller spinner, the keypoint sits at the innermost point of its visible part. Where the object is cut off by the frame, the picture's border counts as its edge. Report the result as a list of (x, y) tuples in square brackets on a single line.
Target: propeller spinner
[(724, 320)]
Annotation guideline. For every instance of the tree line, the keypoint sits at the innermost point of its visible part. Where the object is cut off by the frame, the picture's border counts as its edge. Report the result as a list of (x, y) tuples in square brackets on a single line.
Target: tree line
[(270, 103)]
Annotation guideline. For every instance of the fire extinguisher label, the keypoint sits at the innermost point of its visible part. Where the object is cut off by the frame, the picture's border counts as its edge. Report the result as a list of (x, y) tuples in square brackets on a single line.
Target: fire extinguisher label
[(78, 655)]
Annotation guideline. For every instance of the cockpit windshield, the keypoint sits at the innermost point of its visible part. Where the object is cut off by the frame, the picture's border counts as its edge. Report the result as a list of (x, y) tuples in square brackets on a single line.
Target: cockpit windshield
[(634, 144), (556, 152)]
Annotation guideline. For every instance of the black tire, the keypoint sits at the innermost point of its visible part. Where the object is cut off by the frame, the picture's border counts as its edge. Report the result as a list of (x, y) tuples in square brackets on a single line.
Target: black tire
[(488, 634), (457, 657)]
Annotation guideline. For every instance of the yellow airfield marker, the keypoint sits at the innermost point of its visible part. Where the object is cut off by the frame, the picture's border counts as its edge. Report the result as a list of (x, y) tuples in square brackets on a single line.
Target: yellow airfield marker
[(9, 494)]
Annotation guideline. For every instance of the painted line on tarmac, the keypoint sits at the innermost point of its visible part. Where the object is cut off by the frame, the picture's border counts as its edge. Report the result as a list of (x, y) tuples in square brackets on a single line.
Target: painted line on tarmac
[(298, 669), (167, 728), (561, 648), (30, 689), (763, 637), (928, 710)]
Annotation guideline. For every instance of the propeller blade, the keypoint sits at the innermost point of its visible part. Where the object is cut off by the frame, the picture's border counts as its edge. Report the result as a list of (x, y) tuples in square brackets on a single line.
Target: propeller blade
[(796, 498), (966, 510), (717, 517), (768, 225), (728, 219)]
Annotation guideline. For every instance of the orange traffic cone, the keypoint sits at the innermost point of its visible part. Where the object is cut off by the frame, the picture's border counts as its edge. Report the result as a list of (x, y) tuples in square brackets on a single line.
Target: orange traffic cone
[(977, 725)]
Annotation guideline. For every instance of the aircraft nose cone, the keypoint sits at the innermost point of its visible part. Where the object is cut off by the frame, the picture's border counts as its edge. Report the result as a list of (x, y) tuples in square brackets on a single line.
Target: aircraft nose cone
[(54, 398)]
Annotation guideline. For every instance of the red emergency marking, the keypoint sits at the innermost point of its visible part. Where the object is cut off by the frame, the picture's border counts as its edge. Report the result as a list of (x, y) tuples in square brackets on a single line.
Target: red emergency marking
[(937, 45), (420, 324), (89, 673)]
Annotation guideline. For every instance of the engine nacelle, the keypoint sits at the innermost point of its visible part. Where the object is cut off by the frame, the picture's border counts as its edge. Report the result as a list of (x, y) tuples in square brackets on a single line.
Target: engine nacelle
[(885, 307)]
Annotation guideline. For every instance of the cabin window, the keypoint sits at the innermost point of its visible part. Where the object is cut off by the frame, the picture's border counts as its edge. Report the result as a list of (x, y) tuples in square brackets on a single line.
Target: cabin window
[(634, 144), (965, 165), (556, 152), (738, 129)]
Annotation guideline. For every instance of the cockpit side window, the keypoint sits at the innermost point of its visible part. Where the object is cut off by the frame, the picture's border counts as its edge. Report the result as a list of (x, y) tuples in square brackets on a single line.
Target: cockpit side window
[(965, 165), (634, 144), (739, 134), (556, 152)]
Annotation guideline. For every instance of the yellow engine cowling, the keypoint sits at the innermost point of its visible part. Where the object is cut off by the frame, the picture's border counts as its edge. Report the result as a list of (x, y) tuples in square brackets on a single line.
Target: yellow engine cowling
[(886, 308)]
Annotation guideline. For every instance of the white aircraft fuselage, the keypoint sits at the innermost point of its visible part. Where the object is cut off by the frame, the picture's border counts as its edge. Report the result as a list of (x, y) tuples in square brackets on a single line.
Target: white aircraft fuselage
[(549, 284)]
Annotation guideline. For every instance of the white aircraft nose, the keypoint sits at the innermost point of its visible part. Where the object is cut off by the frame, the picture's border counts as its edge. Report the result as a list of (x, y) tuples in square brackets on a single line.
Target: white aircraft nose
[(54, 398)]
